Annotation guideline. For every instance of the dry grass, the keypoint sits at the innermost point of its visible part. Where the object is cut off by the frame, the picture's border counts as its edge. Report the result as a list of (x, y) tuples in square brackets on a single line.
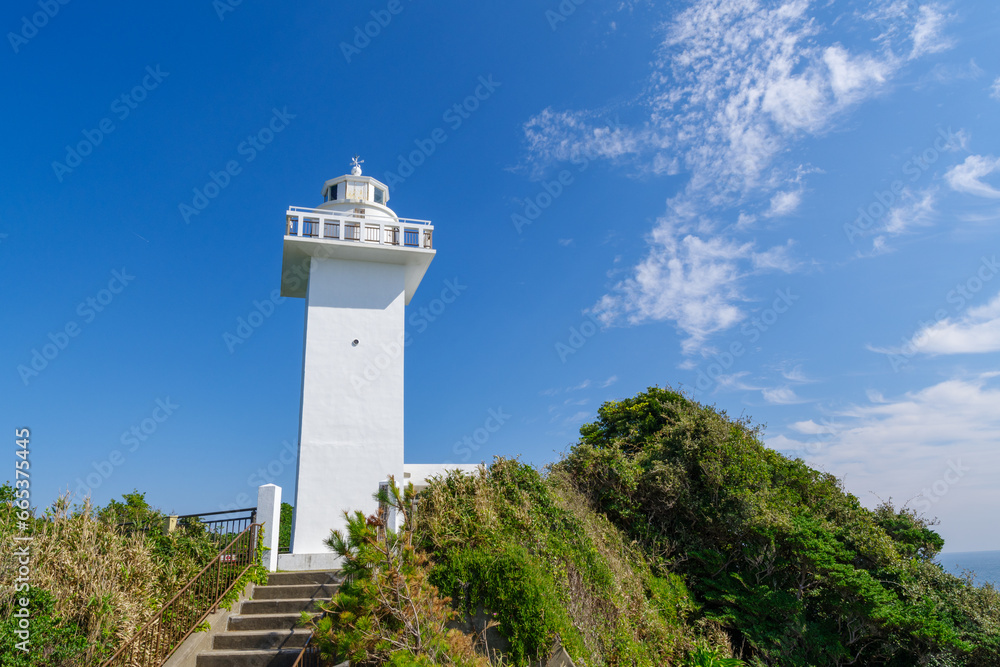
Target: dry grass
[(107, 583)]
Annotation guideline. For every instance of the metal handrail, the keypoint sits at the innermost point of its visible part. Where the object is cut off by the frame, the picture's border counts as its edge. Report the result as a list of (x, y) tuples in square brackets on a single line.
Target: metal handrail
[(245, 509), (308, 656), (156, 641)]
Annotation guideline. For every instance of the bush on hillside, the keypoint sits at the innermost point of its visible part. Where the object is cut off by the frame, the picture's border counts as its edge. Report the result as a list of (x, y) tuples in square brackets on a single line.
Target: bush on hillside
[(386, 612), (795, 569), (510, 542)]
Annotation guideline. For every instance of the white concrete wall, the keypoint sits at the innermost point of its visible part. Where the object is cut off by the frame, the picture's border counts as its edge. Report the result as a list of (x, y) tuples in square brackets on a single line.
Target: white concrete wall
[(351, 424)]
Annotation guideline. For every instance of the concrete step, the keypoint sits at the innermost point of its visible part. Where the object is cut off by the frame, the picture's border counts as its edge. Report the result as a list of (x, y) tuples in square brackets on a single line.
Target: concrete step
[(267, 631), (281, 658), (240, 623), (295, 578), (295, 591), (268, 639), (251, 607)]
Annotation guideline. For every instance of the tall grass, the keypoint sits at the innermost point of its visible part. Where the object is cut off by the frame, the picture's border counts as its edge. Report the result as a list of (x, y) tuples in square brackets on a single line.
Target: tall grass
[(92, 585)]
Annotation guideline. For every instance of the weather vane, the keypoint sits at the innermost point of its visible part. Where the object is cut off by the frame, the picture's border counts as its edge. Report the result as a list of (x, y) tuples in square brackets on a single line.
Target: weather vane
[(356, 163)]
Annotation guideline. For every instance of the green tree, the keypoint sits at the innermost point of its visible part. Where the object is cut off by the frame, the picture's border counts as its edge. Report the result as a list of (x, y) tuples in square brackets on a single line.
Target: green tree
[(796, 570)]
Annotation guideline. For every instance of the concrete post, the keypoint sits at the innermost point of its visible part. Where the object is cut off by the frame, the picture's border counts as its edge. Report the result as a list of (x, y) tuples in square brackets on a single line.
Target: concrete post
[(169, 524), (269, 514)]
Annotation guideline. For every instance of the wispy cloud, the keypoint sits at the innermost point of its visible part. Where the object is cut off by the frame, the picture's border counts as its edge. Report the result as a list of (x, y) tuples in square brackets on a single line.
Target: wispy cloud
[(899, 447), (914, 209), (967, 177), (928, 33), (977, 331), (780, 396), (995, 89), (735, 83), (688, 278), (796, 374), (784, 203)]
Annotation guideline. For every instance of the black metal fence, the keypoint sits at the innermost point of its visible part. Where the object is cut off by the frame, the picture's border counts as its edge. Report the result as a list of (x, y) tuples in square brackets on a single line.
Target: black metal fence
[(224, 526)]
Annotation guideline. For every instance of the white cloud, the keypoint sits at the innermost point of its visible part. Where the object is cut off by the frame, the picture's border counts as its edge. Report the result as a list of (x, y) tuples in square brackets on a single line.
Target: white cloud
[(995, 89), (967, 177), (577, 136), (904, 447), (778, 258), (734, 382), (735, 83), (784, 203), (691, 279), (780, 396), (977, 331), (796, 375), (853, 77), (927, 33), (914, 209)]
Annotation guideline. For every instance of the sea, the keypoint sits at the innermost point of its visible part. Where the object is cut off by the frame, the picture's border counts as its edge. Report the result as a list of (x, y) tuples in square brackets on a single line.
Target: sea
[(985, 564)]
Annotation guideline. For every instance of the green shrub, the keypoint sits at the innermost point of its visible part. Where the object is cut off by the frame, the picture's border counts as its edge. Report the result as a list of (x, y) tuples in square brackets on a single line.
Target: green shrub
[(526, 548), (53, 640), (387, 612), (797, 571)]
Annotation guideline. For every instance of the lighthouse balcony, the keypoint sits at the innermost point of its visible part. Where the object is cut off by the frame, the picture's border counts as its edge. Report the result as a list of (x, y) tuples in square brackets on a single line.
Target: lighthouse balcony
[(359, 235), (358, 227)]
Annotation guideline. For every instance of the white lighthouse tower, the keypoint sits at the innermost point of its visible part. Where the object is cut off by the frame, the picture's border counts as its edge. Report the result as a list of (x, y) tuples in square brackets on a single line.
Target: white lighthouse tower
[(357, 264)]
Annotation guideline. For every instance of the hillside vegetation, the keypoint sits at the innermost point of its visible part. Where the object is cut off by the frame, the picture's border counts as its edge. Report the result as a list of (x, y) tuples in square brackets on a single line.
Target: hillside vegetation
[(669, 533), (91, 584)]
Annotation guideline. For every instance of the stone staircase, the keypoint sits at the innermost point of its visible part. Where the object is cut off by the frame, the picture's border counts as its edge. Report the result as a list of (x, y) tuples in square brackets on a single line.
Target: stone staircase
[(265, 632)]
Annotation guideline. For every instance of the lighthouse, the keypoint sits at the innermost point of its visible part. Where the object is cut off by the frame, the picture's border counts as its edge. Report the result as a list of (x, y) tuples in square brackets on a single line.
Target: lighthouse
[(357, 264)]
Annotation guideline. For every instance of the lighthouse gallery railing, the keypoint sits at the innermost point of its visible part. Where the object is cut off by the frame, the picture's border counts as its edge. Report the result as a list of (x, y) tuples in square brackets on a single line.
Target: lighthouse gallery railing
[(358, 227)]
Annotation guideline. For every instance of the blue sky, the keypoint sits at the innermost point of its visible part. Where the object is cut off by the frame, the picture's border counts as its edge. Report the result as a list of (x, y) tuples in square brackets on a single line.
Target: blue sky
[(788, 209)]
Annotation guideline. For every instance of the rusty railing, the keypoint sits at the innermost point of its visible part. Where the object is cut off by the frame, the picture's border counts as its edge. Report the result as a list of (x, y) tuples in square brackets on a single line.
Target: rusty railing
[(178, 618), (308, 657)]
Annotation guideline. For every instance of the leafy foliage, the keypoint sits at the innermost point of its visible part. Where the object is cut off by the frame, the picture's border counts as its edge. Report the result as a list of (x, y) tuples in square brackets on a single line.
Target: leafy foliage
[(511, 543), (387, 612), (285, 529), (53, 640), (796, 570)]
